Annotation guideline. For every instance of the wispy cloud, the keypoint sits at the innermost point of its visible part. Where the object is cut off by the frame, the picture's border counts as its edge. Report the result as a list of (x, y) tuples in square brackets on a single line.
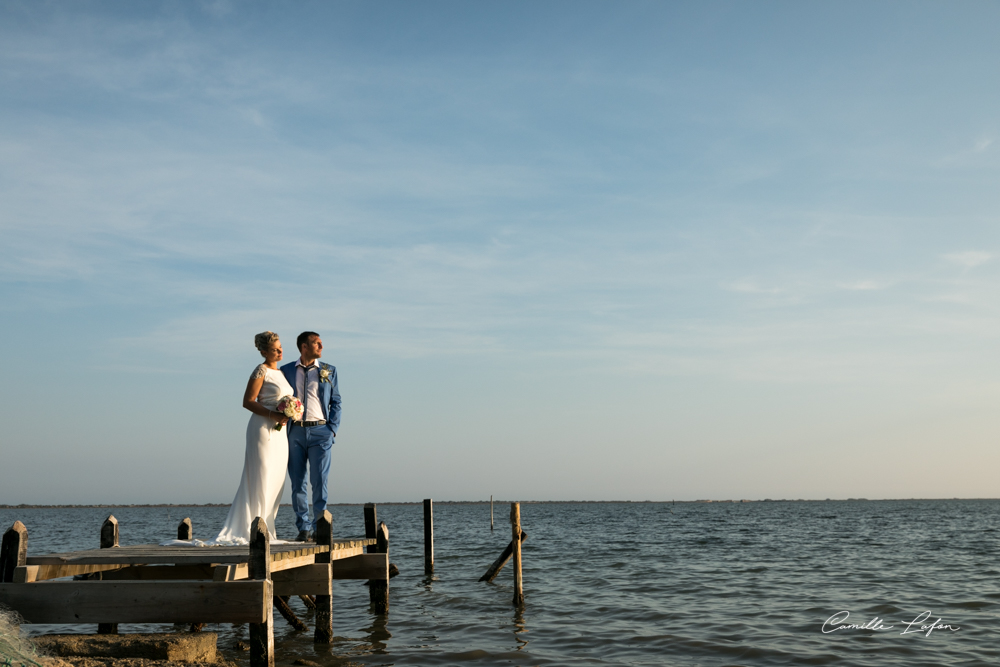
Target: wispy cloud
[(984, 144), (862, 285), (969, 258)]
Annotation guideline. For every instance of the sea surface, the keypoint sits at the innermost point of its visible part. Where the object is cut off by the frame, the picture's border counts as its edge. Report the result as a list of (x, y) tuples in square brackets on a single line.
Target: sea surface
[(634, 583)]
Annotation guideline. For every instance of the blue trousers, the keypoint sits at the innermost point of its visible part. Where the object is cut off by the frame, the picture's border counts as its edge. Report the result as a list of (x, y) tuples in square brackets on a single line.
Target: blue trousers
[(312, 445)]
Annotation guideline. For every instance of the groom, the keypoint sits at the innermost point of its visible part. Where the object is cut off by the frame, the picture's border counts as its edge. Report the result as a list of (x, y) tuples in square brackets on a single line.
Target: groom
[(311, 439)]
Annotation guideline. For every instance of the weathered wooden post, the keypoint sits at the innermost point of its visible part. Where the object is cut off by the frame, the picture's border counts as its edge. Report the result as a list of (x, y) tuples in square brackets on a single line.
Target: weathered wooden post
[(371, 525), (515, 540), (185, 531), (491, 513), (109, 532), (324, 603), (378, 589), (428, 536), (13, 552), (259, 568), (109, 540)]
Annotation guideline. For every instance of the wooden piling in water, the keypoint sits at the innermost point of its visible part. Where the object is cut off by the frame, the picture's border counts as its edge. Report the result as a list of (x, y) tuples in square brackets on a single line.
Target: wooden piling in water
[(13, 551), (109, 540), (324, 603), (371, 524), (259, 568), (378, 589), (185, 531), (491, 514), (515, 540), (428, 536)]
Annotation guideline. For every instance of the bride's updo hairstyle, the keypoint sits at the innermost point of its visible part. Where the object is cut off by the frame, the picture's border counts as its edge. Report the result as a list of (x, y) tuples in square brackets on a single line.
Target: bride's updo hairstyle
[(263, 341)]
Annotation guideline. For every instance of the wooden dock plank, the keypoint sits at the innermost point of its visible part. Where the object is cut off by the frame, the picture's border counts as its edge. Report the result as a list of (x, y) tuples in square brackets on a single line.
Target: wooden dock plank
[(152, 554), (139, 601), (29, 573), (160, 573)]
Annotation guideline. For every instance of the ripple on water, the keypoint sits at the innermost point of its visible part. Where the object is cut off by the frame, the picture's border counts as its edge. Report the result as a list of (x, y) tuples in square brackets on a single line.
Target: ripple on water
[(636, 583)]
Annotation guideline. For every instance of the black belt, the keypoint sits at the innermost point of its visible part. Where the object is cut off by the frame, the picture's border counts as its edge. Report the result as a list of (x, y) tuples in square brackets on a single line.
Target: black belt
[(316, 423)]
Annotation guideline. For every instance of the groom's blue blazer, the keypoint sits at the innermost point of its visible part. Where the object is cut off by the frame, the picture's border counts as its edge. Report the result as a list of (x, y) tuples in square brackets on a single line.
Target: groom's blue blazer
[(329, 394)]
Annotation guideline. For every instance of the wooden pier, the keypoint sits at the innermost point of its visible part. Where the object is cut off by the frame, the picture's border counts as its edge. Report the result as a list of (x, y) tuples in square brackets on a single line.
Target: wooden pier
[(179, 584)]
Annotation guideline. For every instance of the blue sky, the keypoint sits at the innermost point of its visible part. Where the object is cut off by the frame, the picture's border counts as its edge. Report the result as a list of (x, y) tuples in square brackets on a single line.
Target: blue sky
[(561, 250)]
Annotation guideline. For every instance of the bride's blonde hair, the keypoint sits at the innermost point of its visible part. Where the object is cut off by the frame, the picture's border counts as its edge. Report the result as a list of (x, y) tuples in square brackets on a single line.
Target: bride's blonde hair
[(264, 340)]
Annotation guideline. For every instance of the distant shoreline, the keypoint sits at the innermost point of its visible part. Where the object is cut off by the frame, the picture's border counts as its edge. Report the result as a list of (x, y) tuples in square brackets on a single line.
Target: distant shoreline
[(498, 502)]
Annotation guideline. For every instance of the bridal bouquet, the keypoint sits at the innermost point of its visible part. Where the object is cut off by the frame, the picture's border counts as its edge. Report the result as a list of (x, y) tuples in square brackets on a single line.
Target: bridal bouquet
[(291, 407)]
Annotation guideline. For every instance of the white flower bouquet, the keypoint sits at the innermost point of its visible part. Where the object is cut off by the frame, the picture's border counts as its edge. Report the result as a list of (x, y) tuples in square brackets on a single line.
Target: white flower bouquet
[(291, 407)]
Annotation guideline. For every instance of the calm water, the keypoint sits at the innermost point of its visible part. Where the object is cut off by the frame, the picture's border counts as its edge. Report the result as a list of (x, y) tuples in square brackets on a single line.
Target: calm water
[(637, 584)]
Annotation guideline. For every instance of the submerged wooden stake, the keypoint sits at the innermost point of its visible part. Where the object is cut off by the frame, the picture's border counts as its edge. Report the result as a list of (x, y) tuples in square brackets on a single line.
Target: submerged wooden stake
[(515, 540), (259, 567), (13, 552), (428, 536), (498, 564), (109, 540), (281, 604), (324, 603)]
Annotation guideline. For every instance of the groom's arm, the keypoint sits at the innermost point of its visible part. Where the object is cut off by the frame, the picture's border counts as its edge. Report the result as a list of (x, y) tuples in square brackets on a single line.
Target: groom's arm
[(334, 410)]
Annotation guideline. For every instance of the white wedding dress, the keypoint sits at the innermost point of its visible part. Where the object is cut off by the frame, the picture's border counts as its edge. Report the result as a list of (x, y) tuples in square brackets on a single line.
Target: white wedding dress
[(264, 469)]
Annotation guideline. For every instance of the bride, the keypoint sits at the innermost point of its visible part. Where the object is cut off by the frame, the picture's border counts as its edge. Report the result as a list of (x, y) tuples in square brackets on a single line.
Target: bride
[(267, 448), (266, 461)]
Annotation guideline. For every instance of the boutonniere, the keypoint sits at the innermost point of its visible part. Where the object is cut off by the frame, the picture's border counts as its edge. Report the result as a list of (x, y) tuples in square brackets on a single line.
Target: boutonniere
[(324, 375)]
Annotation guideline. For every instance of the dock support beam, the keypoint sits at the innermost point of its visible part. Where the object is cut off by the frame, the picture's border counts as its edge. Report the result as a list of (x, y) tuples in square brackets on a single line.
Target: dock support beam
[(281, 604), (109, 540), (259, 567), (428, 536), (13, 552), (515, 540), (324, 603), (498, 564)]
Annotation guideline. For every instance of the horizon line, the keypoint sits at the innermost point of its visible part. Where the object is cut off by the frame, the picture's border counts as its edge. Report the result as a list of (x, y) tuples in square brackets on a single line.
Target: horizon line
[(486, 502)]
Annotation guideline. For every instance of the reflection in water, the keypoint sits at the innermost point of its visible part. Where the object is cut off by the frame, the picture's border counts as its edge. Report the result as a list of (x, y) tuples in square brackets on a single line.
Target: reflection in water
[(378, 633), (520, 628)]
